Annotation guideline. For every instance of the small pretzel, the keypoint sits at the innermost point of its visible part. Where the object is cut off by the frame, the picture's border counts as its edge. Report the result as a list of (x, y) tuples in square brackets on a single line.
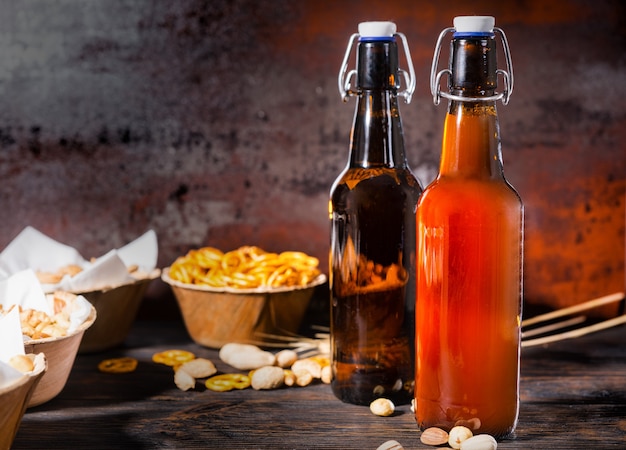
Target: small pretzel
[(227, 382), (118, 365), (173, 357)]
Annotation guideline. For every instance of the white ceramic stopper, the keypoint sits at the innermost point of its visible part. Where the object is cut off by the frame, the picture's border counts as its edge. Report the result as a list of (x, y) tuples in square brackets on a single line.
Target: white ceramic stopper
[(377, 29), (474, 24)]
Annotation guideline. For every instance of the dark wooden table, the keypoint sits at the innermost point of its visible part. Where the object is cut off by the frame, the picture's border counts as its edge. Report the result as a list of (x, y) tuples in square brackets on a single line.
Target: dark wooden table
[(573, 397)]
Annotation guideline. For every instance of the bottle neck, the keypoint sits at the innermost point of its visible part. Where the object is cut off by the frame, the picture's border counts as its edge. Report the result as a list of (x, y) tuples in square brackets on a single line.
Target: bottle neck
[(471, 137), (377, 137), (474, 65), (471, 141)]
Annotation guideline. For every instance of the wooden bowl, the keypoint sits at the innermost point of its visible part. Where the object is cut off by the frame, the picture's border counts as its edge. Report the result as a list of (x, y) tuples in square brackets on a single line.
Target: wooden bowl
[(214, 317), (60, 353), (117, 309), (14, 400)]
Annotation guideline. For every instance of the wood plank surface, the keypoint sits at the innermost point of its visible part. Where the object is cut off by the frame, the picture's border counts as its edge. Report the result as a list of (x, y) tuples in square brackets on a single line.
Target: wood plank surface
[(573, 395)]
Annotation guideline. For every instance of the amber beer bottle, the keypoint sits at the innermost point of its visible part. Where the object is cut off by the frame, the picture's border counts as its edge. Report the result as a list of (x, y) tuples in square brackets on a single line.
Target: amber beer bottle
[(372, 214), (470, 235)]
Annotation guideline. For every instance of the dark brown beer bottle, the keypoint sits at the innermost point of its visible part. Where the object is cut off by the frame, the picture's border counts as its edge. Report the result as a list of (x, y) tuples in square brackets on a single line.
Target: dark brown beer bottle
[(470, 235), (372, 214)]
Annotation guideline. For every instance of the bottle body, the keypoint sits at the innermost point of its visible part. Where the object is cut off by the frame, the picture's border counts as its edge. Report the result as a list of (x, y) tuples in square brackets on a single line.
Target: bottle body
[(373, 241), (372, 266), (469, 291)]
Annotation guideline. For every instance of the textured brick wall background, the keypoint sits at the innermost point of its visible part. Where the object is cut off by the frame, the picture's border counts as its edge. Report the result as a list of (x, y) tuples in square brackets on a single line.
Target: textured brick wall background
[(219, 122)]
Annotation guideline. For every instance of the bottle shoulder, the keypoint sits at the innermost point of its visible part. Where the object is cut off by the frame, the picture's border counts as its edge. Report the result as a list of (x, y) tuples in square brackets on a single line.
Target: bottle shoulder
[(377, 177), (466, 193)]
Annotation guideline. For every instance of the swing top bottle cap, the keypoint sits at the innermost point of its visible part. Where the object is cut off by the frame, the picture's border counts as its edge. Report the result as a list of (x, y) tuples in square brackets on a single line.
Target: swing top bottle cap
[(474, 24), (377, 29)]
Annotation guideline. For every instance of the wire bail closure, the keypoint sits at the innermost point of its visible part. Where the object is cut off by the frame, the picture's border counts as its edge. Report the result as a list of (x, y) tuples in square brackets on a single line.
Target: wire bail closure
[(435, 78), (345, 76)]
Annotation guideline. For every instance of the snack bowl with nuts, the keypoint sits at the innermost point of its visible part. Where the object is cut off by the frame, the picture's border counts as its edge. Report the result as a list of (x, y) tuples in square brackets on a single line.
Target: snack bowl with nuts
[(215, 316), (117, 308), (60, 354), (14, 398), (114, 283)]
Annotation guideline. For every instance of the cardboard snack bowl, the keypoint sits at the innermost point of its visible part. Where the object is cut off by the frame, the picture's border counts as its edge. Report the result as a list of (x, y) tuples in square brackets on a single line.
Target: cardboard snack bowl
[(14, 400), (214, 317), (60, 354), (117, 309)]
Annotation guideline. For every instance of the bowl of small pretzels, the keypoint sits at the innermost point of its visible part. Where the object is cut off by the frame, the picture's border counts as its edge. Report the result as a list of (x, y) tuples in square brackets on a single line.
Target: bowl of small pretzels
[(243, 295)]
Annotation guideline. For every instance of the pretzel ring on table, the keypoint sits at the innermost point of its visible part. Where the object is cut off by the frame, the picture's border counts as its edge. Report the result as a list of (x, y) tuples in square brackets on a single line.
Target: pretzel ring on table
[(118, 365), (173, 357), (227, 382)]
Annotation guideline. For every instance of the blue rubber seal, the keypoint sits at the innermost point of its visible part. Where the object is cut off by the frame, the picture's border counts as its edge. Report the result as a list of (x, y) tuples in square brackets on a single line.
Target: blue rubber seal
[(472, 34), (377, 38)]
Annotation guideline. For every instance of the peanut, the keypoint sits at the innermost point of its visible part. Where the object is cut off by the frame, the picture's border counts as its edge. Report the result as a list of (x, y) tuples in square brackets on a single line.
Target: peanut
[(290, 377), (457, 435), (286, 358), (199, 368), (308, 364), (183, 380), (327, 375), (246, 356), (22, 363), (390, 445), (479, 442), (303, 377), (382, 407), (267, 377)]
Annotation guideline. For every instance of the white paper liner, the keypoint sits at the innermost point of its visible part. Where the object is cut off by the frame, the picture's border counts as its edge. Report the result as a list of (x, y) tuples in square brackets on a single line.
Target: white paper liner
[(23, 289), (12, 344), (31, 249)]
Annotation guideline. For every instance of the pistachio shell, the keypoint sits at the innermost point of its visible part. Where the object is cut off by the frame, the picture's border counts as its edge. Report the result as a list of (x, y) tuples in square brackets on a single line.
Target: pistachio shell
[(479, 442), (390, 445), (434, 436)]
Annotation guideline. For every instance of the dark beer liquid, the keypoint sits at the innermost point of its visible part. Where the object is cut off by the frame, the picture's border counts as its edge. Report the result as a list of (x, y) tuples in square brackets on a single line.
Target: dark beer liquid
[(372, 249), (372, 273)]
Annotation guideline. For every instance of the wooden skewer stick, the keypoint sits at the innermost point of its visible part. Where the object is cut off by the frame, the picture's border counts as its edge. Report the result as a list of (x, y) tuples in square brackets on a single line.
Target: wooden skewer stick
[(577, 332), (611, 298), (552, 327)]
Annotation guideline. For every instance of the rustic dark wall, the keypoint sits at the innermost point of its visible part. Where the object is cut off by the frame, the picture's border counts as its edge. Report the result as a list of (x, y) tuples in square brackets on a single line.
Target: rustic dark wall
[(219, 122)]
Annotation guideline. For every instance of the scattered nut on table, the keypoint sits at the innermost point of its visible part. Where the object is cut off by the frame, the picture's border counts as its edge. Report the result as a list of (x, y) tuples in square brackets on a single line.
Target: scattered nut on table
[(327, 374), (246, 356), (457, 435), (303, 377), (290, 377), (183, 380), (286, 358), (268, 377), (308, 364), (480, 442), (434, 436), (199, 368), (390, 445), (382, 407)]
